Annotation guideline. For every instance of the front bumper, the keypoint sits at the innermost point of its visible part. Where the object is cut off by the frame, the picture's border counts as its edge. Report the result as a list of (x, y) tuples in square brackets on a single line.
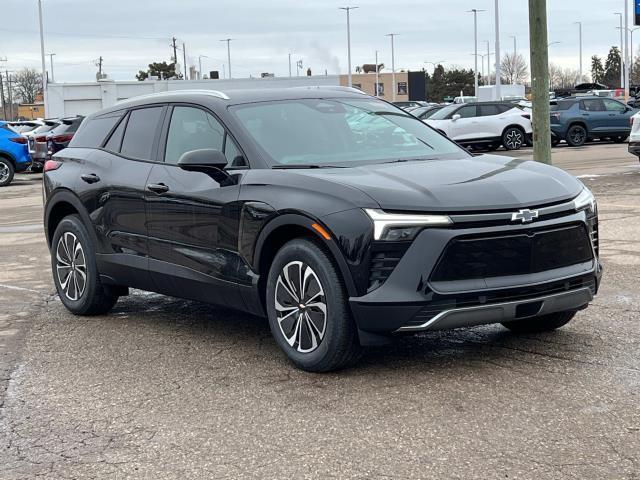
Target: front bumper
[(409, 300)]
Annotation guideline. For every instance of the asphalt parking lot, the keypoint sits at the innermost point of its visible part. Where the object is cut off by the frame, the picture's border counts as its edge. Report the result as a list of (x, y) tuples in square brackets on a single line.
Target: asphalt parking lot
[(165, 388)]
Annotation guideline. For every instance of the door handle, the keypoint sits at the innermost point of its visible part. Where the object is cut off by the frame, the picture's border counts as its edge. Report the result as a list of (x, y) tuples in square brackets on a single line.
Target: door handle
[(90, 177), (158, 188)]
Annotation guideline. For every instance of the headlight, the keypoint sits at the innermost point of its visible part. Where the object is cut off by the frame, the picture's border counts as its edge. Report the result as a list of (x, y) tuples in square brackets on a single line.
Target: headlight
[(398, 226), (586, 201)]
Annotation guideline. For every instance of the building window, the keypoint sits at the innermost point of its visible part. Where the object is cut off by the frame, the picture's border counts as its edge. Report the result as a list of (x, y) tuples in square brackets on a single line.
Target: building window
[(402, 88), (380, 89)]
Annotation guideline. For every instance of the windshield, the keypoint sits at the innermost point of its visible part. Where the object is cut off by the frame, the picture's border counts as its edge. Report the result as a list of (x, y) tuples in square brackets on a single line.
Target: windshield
[(340, 132), (444, 112)]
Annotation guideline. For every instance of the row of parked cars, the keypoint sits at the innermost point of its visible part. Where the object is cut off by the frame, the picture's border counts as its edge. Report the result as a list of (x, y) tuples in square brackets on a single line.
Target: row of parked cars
[(26, 145), (489, 125)]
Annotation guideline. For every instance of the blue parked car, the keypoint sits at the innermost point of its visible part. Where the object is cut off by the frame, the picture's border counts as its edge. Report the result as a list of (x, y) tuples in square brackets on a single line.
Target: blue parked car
[(14, 154), (578, 119)]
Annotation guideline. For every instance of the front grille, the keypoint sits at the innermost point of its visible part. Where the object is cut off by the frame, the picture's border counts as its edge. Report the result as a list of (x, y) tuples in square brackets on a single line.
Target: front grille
[(532, 251), (443, 303)]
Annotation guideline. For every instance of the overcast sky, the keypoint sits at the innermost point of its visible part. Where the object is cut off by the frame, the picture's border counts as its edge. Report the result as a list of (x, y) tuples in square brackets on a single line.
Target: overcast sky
[(129, 34)]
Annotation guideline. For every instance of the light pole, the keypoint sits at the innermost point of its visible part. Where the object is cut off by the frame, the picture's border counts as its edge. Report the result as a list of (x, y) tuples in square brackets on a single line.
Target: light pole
[(348, 10), (289, 65), (498, 64), (393, 65), (626, 49), (228, 40), (621, 52), (580, 40), (488, 63), (51, 61), (515, 54), (377, 75), (44, 67), (475, 43), (200, 57)]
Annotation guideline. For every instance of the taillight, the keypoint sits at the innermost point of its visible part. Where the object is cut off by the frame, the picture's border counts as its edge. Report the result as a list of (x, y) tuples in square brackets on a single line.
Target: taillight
[(41, 138), (62, 138), (21, 140), (51, 165)]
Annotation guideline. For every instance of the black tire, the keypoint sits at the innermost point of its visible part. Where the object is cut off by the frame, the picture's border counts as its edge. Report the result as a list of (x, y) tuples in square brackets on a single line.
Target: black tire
[(6, 172), (619, 139), (555, 141), (92, 299), (576, 136), (513, 138), (338, 345), (545, 323)]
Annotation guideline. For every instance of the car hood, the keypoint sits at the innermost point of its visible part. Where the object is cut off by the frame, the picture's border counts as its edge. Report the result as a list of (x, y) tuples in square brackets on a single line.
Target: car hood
[(486, 182)]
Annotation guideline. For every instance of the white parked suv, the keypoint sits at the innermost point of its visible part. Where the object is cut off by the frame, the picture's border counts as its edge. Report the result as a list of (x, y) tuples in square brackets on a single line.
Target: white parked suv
[(484, 124), (634, 137)]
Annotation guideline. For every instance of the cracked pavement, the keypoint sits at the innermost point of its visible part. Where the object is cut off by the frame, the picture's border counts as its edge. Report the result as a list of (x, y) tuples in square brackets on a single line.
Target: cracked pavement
[(166, 388)]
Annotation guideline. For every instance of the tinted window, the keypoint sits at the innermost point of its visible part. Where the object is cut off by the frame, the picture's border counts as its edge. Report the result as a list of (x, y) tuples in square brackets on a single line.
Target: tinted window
[(467, 112), (192, 129), (592, 105), (613, 106), (94, 132), (488, 110), (140, 134), (559, 106), (115, 140), (505, 108)]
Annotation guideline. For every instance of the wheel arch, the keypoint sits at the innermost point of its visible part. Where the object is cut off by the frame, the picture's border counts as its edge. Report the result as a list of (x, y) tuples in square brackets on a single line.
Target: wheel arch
[(61, 204), (575, 122), (514, 125), (286, 227)]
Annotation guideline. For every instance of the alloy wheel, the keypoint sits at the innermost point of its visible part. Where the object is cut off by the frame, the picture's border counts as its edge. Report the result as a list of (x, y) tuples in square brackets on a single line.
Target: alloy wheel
[(514, 139), (577, 136), (71, 266), (301, 308), (4, 172)]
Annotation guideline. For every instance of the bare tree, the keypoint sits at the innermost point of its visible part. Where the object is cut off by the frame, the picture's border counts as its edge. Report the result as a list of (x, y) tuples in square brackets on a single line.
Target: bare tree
[(27, 83), (562, 77), (514, 68)]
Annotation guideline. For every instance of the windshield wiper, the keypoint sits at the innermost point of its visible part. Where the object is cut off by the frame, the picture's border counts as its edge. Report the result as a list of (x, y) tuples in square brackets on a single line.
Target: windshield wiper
[(304, 165), (403, 160)]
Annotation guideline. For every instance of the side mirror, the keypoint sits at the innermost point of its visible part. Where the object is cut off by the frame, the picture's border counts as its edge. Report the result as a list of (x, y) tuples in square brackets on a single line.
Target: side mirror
[(207, 160), (456, 117)]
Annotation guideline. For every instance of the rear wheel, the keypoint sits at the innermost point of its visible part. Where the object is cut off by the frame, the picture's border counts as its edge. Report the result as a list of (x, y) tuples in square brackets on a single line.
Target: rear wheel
[(576, 136), (75, 273), (6, 172), (307, 307), (544, 323), (513, 138)]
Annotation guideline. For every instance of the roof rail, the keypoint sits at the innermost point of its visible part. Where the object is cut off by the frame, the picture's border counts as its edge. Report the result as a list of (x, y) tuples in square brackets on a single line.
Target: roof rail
[(337, 88), (213, 93)]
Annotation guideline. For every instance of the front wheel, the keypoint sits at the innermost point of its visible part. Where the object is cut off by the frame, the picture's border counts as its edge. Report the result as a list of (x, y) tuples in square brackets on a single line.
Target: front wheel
[(576, 136), (545, 323), (513, 138), (307, 307), (6, 172), (75, 272)]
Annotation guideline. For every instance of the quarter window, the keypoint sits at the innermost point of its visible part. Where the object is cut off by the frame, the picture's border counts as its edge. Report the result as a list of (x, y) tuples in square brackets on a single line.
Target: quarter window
[(488, 110), (467, 112), (94, 131), (141, 130), (192, 129), (592, 105), (115, 140)]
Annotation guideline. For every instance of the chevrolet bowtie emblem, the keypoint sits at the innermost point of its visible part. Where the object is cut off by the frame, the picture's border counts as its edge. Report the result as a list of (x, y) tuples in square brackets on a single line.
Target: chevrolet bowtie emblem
[(525, 216)]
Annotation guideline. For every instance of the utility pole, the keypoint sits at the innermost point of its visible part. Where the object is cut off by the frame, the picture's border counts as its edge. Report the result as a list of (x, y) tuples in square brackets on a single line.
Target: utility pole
[(540, 80), (348, 10), (175, 50), (51, 61), (184, 56), (498, 64), (475, 41), (377, 76), (580, 40), (627, 61), (621, 52), (9, 94), (99, 65), (44, 67), (4, 103), (228, 40), (393, 66)]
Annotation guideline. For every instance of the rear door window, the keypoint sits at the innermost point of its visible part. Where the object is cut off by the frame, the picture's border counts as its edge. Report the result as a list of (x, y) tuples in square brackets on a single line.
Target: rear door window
[(139, 137), (592, 105), (94, 131), (467, 112), (488, 110)]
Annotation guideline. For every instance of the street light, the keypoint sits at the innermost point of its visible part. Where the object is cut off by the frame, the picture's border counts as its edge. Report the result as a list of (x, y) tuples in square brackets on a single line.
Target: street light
[(200, 57), (475, 42), (228, 40), (348, 10), (621, 52), (488, 55), (580, 39), (515, 54), (393, 65), (498, 64), (51, 61), (44, 67)]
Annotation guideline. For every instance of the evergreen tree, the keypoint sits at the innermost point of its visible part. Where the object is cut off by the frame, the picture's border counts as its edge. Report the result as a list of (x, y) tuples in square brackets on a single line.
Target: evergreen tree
[(612, 68), (597, 69)]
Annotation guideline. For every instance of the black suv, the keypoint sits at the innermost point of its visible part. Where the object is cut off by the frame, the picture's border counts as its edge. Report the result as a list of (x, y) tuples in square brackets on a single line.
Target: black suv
[(340, 217)]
